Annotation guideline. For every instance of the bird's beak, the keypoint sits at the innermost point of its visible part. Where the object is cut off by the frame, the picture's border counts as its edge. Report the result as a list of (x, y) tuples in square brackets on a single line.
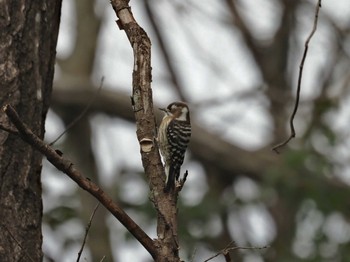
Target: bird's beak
[(163, 109)]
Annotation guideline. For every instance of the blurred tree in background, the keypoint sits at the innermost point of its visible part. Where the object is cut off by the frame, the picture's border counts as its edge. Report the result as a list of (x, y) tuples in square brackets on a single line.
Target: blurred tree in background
[(236, 63)]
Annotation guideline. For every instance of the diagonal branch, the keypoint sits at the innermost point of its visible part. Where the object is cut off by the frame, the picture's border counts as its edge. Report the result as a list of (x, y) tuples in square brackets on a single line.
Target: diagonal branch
[(55, 157)]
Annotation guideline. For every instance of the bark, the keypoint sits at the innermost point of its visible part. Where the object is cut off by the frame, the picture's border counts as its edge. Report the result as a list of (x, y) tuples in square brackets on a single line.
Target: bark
[(28, 37), (167, 243)]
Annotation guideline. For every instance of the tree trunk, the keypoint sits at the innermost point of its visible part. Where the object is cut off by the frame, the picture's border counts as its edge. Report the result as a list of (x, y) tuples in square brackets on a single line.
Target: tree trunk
[(28, 37)]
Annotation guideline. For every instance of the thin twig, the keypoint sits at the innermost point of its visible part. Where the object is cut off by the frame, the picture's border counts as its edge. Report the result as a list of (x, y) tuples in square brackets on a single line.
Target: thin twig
[(17, 242), (301, 67), (87, 231), (229, 248), (221, 251), (87, 107)]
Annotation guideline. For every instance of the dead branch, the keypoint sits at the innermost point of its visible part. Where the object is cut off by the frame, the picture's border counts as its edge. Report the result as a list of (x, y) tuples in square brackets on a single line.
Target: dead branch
[(230, 247), (301, 67)]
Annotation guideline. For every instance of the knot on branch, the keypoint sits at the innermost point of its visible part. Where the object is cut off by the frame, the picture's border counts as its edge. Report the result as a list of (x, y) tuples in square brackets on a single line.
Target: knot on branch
[(138, 37), (146, 144)]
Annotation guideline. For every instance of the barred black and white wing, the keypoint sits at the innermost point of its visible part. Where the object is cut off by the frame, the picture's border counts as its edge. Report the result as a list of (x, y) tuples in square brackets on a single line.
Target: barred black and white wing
[(178, 135)]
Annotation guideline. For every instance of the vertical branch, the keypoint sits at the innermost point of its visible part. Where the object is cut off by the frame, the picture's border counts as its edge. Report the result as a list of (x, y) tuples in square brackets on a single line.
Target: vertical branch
[(142, 102)]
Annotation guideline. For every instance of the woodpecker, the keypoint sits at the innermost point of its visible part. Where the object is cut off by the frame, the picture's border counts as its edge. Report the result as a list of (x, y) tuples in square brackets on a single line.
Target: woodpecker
[(173, 136)]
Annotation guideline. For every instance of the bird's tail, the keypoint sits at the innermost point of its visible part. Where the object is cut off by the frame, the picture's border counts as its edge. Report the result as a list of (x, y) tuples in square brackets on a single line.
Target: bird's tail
[(174, 173)]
